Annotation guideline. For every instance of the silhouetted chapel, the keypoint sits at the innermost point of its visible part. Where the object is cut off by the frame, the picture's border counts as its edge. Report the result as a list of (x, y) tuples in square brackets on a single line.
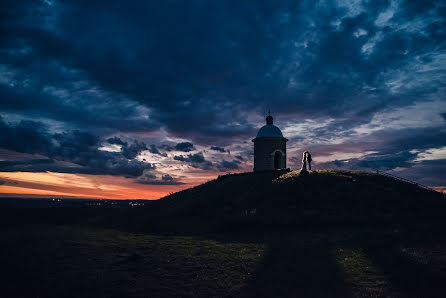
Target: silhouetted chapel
[(269, 148)]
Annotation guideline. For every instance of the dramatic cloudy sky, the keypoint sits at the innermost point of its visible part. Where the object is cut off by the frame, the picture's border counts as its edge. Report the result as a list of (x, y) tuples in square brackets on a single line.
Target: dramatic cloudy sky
[(136, 99)]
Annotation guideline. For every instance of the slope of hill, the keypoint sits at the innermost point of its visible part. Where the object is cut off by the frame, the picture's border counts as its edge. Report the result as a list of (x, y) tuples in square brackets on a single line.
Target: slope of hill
[(284, 197)]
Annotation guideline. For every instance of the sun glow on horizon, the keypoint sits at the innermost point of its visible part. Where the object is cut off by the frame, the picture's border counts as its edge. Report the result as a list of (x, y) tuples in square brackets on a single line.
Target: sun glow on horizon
[(82, 185)]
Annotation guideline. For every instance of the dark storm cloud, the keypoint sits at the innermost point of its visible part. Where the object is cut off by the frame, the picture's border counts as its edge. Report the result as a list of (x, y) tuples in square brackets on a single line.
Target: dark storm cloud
[(403, 164), (427, 172), (26, 136), (154, 150), (184, 146), (219, 149), (200, 70), (390, 161), (165, 147), (197, 157), (25, 162), (180, 158), (133, 150), (394, 149), (70, 100), (242, 47), (229, 165), (306, 56), (196, 160), (409, 139), (153, 180), (79, 149), (368, 162), (82, 148), (116, 141), (37, 165)]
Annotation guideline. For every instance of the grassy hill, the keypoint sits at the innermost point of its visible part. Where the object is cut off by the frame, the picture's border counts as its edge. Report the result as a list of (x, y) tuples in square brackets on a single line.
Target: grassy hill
[(282, 197)]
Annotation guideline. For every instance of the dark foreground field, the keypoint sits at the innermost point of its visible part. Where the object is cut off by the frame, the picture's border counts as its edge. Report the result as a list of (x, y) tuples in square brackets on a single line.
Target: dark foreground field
[(40, 260), (272, 234)]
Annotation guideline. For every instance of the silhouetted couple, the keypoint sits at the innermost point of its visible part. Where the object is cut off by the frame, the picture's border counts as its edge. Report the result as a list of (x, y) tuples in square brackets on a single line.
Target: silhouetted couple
[(306, 159)]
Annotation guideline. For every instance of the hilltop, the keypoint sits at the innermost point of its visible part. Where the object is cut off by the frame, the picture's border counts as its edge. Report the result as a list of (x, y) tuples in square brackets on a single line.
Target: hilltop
[(256, 199), (284, 197)]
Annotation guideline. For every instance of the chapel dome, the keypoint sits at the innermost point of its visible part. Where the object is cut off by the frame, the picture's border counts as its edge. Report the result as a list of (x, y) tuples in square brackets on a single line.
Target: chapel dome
[(269, 130)]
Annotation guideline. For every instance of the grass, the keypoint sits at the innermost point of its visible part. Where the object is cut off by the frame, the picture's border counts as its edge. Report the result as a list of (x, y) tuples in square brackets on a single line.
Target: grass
[(69, 261), (313, 197), (363, 276), (85, 261)]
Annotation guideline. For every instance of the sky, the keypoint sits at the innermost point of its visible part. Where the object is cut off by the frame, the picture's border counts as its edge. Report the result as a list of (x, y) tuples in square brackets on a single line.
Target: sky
[(138, 99)]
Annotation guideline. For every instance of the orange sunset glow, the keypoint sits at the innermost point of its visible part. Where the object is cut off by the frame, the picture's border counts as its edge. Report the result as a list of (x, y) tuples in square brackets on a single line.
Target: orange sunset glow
[(82, 186)]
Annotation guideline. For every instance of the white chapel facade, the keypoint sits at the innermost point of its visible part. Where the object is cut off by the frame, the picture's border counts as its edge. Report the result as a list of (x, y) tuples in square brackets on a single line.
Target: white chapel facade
[(269, 148)]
